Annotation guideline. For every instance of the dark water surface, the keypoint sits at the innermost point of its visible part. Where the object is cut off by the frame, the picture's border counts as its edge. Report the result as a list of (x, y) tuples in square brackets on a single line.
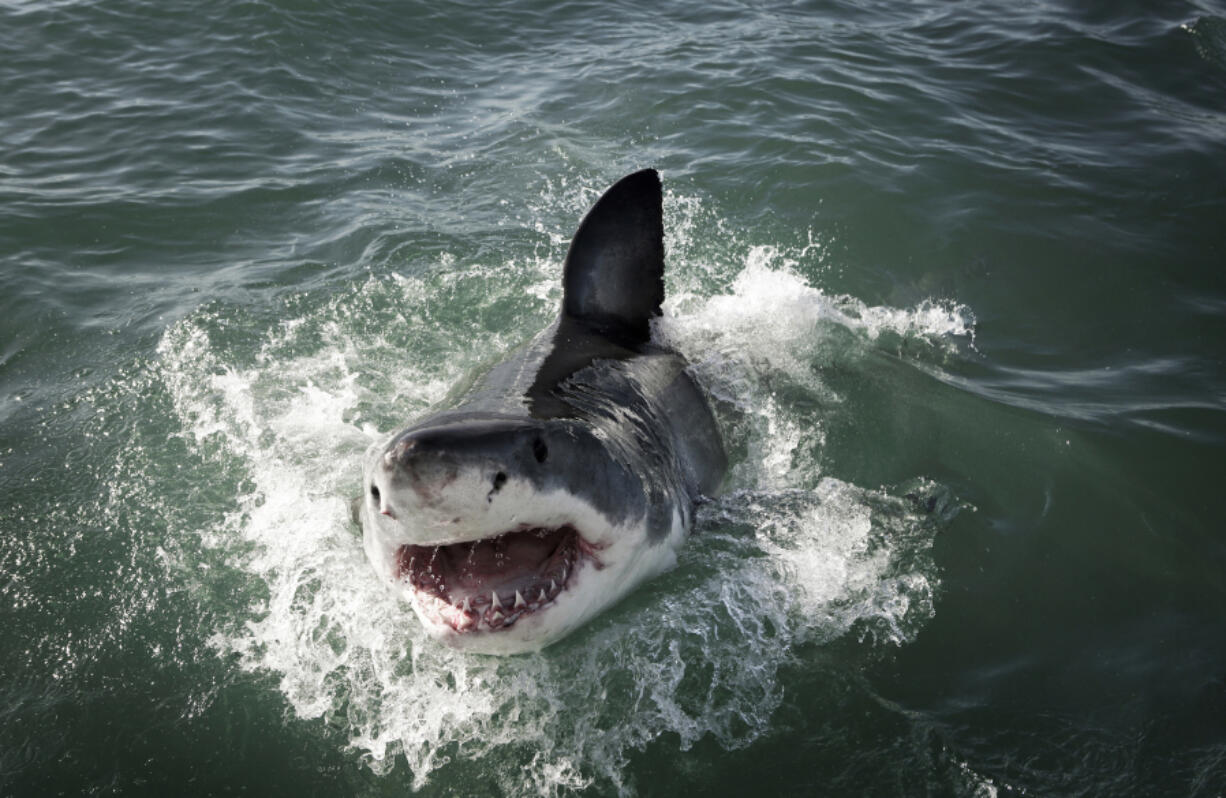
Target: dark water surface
[(952, 272)]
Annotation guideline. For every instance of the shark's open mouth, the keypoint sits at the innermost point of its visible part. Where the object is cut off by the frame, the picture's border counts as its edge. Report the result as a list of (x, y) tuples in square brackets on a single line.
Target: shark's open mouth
[(490, 584)]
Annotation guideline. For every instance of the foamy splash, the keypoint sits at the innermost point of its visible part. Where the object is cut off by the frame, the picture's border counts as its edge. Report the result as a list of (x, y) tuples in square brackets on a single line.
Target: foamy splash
[(788, 555)]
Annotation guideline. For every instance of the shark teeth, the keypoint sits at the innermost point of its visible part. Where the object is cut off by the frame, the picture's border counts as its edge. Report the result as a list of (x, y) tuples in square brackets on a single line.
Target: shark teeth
[(447, 594), (476, 612)]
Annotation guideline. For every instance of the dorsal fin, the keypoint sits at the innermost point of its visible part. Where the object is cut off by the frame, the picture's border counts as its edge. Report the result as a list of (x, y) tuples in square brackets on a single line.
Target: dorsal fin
[(613, 278)]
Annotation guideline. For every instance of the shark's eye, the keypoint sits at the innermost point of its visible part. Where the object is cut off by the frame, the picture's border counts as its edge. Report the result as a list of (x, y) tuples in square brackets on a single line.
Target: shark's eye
[(374, 493), (500, 479), (539, 450)]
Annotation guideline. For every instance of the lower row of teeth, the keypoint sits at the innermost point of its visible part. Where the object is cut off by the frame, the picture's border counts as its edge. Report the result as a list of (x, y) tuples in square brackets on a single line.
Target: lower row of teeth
[(498, 614)]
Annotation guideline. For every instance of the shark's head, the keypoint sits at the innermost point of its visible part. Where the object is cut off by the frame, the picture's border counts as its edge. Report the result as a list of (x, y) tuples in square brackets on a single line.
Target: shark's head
[(507, 533)]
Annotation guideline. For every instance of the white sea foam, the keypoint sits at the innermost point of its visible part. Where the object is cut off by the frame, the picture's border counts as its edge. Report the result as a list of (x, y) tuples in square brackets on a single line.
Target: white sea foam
[(788, 555)]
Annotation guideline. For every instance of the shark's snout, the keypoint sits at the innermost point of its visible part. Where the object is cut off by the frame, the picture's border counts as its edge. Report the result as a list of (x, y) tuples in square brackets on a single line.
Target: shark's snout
[(419, 472), (428, 475)]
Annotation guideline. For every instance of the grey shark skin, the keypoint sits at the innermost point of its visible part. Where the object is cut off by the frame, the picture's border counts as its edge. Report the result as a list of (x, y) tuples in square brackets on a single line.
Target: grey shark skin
[(565, 476)]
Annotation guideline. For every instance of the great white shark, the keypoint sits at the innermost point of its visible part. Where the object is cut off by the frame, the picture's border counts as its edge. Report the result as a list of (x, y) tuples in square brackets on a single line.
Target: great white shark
[(566, 475)]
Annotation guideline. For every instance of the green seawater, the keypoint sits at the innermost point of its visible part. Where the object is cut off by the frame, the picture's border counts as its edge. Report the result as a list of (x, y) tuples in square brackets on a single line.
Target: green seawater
[(953, 275)]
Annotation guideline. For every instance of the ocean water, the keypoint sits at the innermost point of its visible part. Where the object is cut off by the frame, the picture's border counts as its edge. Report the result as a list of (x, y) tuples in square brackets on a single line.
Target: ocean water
[(953, 273)]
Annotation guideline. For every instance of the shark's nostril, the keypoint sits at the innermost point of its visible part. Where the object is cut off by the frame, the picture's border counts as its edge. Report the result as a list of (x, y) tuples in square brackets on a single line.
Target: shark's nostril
[(539, 450), (500, 479), (377, 498)]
